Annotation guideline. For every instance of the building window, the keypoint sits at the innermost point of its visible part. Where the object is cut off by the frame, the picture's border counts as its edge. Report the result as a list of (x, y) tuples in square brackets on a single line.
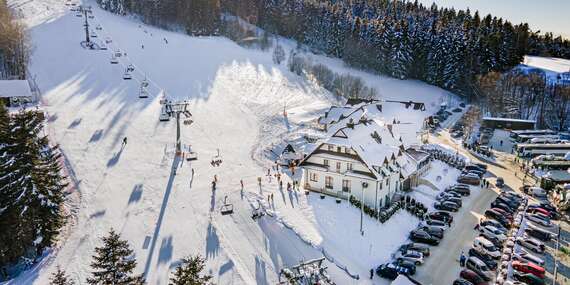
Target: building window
[(338, 149), (314, 177), (346, 185), (347, 150), (338, 167), (331, 148), (326, 162), (329, 182), (349, 166)]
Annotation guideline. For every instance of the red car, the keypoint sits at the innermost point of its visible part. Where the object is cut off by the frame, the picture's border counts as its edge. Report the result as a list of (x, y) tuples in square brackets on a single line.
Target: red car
[(529, 267), (472, 277), (539, 210)]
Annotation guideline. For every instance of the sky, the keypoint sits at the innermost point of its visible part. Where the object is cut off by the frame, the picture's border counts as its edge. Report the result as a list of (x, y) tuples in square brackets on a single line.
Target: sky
[(544, 15)]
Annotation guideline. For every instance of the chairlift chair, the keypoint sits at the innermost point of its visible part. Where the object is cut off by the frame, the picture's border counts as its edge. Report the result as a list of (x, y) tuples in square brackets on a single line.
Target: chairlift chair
[(143, 92), (127, 75), (102, 46), (114, 60), (227, 208), (188, 122), (118, 53), (130, 68), (192, 156), (91, 17), (93, 34), (108, 40), (164, 116), (98, 28)]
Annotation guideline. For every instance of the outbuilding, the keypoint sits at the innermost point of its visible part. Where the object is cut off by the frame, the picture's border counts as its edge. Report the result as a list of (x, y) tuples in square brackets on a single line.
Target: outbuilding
[(14, 93), (507, 123)]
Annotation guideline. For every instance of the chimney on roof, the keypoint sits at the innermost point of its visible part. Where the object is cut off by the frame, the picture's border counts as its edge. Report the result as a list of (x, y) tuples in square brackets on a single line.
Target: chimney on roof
[(326, 114), (385, 161), (350, 123)]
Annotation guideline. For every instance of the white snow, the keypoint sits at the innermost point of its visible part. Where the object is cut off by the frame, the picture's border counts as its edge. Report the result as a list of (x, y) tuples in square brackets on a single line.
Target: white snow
[(236, 97), (15, 88)]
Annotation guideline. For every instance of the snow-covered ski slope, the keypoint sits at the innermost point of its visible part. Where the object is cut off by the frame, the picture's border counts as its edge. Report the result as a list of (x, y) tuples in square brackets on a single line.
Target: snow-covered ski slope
[(236, 98)]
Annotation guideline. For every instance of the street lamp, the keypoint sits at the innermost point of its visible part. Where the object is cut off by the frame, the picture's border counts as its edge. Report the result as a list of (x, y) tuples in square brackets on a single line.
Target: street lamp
[(364, 185)]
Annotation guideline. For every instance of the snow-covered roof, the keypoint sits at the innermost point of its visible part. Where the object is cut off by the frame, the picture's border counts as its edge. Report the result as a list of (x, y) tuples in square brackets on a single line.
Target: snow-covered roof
[(376, 144), (508, 120), (334, 114), (15, 88)]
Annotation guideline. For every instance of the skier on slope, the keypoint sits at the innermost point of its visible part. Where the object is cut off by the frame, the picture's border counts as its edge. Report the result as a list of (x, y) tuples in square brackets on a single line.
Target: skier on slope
[(124, 141)]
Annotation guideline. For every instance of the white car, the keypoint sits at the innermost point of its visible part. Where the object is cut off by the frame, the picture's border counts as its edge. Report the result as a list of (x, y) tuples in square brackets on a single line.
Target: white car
[(494, 232), (413, 256), (531, 244), (442, 226), (524, 255), (482, 244)]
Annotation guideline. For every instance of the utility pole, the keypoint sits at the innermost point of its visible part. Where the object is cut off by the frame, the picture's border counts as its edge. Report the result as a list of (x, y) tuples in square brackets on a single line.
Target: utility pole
[(364, 185)]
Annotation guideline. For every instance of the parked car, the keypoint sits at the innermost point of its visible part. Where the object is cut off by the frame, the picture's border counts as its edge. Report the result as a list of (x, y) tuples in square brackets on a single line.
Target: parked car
[(457, 110), (500, 182), (464, 191), (472, 277), (413, 256), (479, 267), (498, 217), (424, 249), (435, 223), (423, 237), (446, 206), (483, 257), (505, 214), (538, 233), (537, 192), (461, 281), (406, 264), (528, 278), (495, 232), (433, 231), (391, 271), (455, 200), (494, 223), (502, 206), (453, 192), (529, 267), (493, 239), (441, 214), (444, 195), (469, 179), (484, 245), (539, 219), (512, 202), (531, 244), (482, 166), (524, 255), (474, 167)]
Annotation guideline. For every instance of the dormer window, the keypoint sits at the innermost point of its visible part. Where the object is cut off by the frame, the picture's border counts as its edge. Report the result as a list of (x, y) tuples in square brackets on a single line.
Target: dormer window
[(331, 147)]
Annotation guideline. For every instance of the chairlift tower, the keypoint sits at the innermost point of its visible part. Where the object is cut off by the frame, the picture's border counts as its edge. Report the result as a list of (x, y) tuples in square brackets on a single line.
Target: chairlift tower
[(175, 109)]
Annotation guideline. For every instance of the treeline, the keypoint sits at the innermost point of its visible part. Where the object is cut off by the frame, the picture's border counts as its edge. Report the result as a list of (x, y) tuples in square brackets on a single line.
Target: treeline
[(522, 94), (114, 263), (14, 51), (195, 17), (31, 188), (444, 47)]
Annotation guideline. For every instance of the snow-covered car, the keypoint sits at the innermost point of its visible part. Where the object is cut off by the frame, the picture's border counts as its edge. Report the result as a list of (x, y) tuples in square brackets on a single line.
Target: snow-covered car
[(414, 256), (445, 195), (524, 255), (531, 244), (433, 223), (446, 206), (494, 232), (483, 245), (493, 223)]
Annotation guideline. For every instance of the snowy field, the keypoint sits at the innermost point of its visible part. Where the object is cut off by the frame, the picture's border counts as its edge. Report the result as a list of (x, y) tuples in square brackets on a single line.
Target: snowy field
[(550, 65), (236, 97)]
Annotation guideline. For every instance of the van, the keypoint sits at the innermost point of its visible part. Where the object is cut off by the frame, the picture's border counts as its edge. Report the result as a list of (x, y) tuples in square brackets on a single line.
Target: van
[(537, 192), (484, 245), (479, 267)]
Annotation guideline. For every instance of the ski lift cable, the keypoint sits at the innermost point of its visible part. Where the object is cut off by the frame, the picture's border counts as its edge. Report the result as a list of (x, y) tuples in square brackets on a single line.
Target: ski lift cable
[(115, 45)]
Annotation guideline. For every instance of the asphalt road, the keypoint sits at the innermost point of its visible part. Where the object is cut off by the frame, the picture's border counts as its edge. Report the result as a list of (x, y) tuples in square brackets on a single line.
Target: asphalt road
[(442, 267)]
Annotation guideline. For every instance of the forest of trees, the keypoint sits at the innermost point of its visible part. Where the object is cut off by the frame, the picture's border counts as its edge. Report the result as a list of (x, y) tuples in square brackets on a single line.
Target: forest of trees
[(31, 188), (14, 50), (404, 39)]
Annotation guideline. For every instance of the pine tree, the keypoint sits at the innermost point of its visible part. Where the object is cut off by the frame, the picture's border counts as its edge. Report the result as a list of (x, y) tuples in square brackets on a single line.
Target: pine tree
[(113, 263), (188, 272), (60, 278)]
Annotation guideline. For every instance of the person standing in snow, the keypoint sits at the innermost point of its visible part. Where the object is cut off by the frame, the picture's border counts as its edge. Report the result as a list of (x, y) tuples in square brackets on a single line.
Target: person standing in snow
[(462, 259), (371, 273), (241, 183), (124, 142)]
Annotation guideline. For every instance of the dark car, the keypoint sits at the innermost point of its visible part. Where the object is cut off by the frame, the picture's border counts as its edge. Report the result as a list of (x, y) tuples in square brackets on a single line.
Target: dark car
[(493, 239), (441, 215), (452, 192), (528, 278), (472, 277), (482, 166), (503, 206), (454, 200), (509, 201), (505, 214), (457, 110), (406, 264), (498, 217), (538, 233), (391, 271), (489, 261), (494, 223), (446, 206), (424, 249), (477, 172), (423, 237), (461, 281), (500, 182), (433, 231), (468, 179), (464, 191)]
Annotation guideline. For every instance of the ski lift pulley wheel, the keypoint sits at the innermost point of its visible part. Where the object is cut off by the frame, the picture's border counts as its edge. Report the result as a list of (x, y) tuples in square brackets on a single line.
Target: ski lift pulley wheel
[(188, 122)]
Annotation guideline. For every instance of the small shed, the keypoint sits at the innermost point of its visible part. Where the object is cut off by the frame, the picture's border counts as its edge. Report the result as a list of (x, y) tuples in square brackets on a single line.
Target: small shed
[(508, 123), (14, 93)]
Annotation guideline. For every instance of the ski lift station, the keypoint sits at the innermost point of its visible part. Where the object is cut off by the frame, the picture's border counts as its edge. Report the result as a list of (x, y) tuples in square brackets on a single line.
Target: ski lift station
[(15, 93), (507, 123)]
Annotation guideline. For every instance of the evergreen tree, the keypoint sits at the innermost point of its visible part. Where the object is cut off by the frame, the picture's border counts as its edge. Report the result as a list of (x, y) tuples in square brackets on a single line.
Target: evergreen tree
[(60, 278), (113, 263), (189, 272)]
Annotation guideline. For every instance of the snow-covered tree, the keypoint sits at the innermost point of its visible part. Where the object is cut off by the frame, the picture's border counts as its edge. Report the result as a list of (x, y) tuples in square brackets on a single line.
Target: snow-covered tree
[(189, 272), (114, 262), (60, 278)]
